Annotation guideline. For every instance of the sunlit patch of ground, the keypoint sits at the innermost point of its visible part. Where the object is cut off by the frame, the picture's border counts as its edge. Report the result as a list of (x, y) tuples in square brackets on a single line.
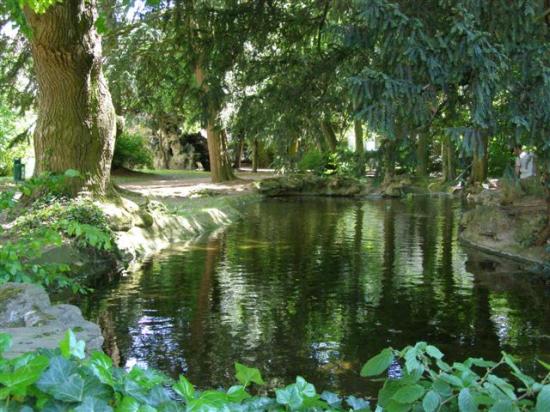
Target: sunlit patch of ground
[(186, 183)]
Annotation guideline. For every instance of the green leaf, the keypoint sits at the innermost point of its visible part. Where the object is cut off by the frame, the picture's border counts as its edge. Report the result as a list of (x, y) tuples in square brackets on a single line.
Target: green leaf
[(185, 389), (543, 399), (408, 394), (504, 405), (245, 375), (5, 342), (128, 404), (357, 404), (102, 366), (431, 401), (237, 394), (378, 364), (17, 381), (466, 402), (434, 352), (546, 365), (289, 396), (71, 346), (91, 404)]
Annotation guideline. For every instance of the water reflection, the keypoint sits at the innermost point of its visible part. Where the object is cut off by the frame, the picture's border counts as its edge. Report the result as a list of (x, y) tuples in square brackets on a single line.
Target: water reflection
[(315, 287)]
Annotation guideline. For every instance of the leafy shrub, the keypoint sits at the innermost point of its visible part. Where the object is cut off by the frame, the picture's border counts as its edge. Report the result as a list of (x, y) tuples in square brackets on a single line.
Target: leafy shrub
[(314, 161), (8, 150), (19, 261), (64, 379), (132, 151), (46, 219), (343, 162)]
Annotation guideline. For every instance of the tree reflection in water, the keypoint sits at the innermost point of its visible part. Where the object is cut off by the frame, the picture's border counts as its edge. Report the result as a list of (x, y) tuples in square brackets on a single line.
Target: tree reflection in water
[(315, 287)]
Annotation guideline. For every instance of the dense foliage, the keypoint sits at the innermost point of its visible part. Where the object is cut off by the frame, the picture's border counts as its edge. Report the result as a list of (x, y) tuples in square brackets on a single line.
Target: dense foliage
[(47, 219), (132, 151), (419, 379)]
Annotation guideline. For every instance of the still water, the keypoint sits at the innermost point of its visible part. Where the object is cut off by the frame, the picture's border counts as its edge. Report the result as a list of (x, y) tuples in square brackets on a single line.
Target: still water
[(314, 287)]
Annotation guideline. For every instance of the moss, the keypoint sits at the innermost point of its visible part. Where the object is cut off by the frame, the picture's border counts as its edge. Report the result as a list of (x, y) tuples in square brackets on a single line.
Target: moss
[(9, 292)]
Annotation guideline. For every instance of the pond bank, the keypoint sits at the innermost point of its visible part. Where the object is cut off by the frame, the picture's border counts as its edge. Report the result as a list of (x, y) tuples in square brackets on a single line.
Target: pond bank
[(507, 229)]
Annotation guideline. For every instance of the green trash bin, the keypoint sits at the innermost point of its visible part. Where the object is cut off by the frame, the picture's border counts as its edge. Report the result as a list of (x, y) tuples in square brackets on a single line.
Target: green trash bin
[(18, 170)]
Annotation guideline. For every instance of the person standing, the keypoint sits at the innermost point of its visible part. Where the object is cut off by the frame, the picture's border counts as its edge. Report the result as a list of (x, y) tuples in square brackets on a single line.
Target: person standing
[(525, 163)]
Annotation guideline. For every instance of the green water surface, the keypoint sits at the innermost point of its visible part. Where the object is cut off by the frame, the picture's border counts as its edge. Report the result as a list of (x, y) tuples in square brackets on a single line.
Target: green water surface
[(314, 287)]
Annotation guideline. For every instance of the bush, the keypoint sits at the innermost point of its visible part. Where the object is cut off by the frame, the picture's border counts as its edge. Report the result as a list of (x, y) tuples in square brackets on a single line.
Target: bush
[(132, 151), (313, 161), (47, 219), (64, 379)]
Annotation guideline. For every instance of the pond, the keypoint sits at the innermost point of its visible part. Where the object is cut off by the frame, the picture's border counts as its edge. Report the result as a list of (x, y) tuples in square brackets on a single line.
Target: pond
[(314, 287)]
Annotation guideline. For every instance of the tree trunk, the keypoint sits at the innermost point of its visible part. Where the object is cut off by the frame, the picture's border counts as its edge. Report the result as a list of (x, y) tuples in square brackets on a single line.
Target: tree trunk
[(220, 167), (359, 147), (255, 155), (479, 163), (330, 136), (448, 159), (239, 153), (388, 165), (422, 155), (76, 122)]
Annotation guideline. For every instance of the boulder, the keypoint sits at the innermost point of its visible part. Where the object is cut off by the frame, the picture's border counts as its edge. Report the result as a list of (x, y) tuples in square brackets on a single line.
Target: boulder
[(28, 316)]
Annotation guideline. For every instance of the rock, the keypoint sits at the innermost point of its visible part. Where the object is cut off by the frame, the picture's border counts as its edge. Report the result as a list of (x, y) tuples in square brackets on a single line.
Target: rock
[(17, 299), (28, 316)]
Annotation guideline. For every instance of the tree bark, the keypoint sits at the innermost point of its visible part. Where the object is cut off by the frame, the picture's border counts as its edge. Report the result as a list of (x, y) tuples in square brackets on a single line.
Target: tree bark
[(359, 147), (255, 155), (479, 163), (448, 157), (239, 153), (422, 155), (76, 122), (220, 166), (388, 161), (330, 136)]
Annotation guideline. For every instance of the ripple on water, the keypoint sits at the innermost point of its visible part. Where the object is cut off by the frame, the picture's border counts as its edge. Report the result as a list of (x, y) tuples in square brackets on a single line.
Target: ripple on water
[(315, 287)]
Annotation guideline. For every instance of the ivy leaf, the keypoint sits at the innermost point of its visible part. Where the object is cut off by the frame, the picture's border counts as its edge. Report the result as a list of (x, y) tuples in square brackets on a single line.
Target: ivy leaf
[(237, 394), (378, 364), (331, 398), (5, 342), (91, 404), (289, 396), (185, 389), (245, 375), (466, 402), (71, 346), (543, 400), (357, 404), (17, 381)]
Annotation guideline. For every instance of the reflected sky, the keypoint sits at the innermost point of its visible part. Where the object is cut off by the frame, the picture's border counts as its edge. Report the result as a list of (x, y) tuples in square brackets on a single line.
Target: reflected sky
[(314, 287)]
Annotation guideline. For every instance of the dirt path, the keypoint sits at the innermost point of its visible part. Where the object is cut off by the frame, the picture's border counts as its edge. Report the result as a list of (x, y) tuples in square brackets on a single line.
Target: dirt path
[(185, 184)]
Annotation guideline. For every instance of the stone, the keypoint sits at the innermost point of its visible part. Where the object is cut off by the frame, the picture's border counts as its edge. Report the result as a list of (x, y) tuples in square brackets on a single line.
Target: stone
[(17, 299), (28, 316)]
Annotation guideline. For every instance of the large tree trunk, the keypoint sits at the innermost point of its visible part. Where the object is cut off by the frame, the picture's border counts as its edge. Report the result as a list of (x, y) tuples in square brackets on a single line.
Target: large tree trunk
[(480, 163), (422, 155), (329, 134), (76, 119), (220, 166)]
